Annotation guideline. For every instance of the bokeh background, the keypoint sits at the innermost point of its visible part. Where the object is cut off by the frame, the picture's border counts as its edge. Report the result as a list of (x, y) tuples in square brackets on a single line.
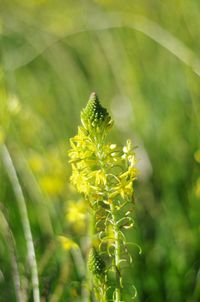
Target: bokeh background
[(142, 58)]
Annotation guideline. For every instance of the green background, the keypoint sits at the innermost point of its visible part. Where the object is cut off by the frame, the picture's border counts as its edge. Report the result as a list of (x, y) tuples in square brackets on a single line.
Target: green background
[(142, 59)]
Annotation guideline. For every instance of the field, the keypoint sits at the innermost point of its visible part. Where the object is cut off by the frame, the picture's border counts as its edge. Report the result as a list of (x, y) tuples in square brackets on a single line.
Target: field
[(142, 59)]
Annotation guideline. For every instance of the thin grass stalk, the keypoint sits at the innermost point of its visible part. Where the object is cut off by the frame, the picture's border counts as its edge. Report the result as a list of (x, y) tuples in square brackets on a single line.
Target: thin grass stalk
[(19, 293), (8, 163)]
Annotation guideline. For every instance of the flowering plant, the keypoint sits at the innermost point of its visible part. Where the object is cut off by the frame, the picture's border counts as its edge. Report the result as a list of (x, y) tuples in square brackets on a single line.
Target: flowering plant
[(104, 174)]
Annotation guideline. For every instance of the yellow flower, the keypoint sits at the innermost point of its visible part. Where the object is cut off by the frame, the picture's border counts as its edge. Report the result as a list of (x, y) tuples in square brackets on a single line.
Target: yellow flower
[(99, 177), (76, 212), (94, 168), (124, 189), (129, 174), (36, 163), (128, 153), (67, 243), (51, 185), (80, 181)]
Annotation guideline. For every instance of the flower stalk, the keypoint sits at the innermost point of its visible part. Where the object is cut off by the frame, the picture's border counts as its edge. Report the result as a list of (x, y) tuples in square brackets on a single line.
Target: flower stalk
[(117, 256), (104, 174)]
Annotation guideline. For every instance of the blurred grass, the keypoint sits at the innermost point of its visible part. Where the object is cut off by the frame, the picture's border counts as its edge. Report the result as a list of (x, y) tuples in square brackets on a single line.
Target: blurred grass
[(142, 58)]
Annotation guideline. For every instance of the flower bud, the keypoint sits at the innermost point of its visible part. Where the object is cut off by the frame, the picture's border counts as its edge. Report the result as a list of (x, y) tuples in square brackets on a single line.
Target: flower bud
[(94, 116), (95, 262)]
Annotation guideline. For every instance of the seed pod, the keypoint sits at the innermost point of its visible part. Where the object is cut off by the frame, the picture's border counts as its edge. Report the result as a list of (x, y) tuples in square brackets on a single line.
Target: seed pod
[(95, 262)]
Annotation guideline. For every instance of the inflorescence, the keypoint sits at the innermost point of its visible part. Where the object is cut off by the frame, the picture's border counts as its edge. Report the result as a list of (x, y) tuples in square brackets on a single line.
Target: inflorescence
[(104, 174)]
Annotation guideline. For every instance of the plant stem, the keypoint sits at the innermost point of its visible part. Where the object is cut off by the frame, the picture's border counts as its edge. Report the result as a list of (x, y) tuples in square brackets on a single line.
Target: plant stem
[(90, 236), (115, 230), (117, 255), (7, 160), (20, 295)]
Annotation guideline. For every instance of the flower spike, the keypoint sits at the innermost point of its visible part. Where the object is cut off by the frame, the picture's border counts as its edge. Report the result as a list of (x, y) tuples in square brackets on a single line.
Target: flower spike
[(104, 173)]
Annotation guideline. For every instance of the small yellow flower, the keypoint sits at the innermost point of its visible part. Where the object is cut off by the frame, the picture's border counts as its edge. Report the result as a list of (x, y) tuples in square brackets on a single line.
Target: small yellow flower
[(129, 174), (67, 243), (51, 185), (124, 189), (100, 177), (128, 153), (80, 181), (35, 162), (76, 212)]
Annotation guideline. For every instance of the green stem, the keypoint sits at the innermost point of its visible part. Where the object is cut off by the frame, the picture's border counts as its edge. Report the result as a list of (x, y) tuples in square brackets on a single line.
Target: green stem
[(117, 255), (116, 233), (90, 235), (12, 174)]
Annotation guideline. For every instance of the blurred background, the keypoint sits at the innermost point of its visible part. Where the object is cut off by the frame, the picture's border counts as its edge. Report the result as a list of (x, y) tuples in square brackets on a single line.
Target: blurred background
[(142, 59)]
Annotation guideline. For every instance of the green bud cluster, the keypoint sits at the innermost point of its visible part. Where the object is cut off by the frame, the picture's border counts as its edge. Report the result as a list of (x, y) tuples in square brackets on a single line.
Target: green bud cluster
[(95, 263), (94, 116)]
